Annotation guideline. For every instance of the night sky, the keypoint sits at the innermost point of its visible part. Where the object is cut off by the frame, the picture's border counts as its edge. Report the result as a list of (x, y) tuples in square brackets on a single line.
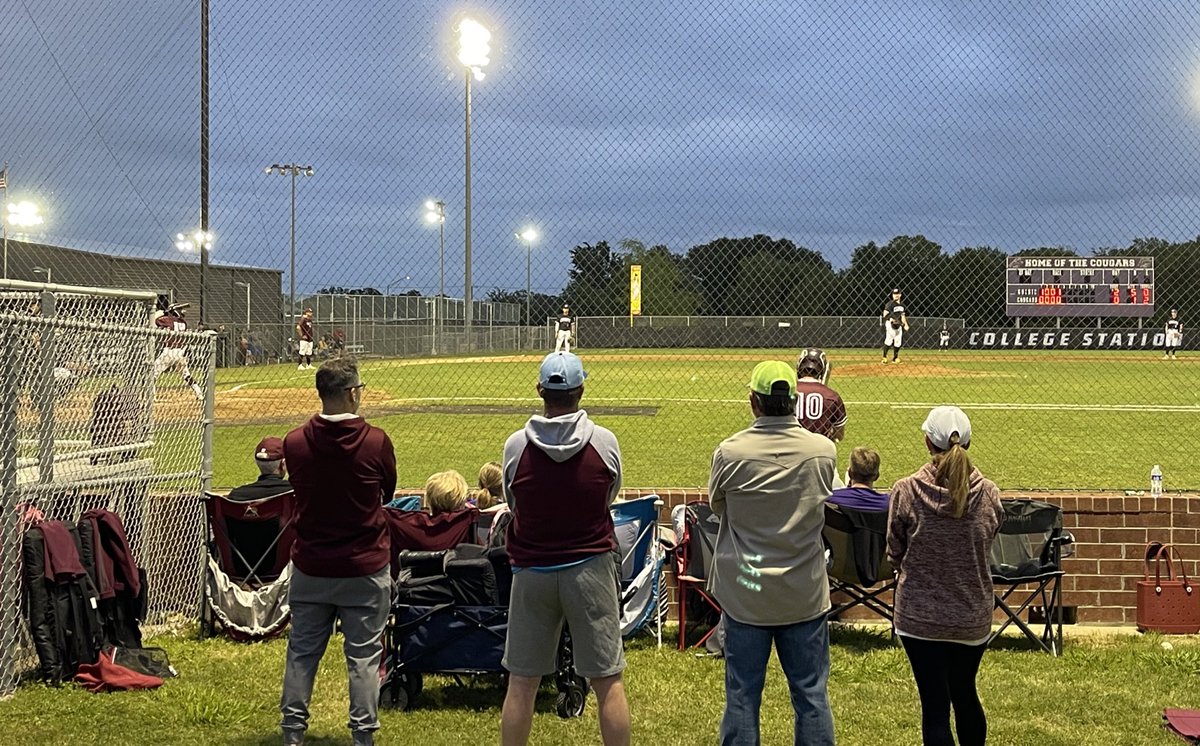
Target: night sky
[(1070, 123)]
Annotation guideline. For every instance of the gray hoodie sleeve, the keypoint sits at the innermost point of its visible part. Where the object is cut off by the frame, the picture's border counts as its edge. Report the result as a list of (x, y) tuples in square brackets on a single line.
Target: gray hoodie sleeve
[(513, 448), (606, 445)]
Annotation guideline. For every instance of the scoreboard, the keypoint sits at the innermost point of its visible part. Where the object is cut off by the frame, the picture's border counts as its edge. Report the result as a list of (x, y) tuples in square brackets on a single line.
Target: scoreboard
[(1080, 286)]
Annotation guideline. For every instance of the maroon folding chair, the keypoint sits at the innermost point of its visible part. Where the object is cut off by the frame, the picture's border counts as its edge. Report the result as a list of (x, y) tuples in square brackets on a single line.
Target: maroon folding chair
[(249, 546)]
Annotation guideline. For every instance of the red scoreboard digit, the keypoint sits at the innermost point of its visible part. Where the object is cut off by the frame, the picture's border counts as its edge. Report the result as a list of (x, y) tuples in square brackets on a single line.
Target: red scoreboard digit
[(1115, 296)]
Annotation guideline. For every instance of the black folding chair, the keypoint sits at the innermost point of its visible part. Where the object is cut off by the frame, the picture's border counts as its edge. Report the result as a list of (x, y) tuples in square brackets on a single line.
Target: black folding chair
[(1027, 556), (858, 566)]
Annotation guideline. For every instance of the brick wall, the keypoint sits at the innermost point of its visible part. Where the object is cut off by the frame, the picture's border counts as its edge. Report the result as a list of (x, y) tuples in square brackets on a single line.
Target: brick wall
[(1110, 533)]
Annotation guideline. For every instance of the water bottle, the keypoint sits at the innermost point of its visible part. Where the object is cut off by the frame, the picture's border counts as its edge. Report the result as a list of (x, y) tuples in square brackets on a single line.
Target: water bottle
[(1156, 481)]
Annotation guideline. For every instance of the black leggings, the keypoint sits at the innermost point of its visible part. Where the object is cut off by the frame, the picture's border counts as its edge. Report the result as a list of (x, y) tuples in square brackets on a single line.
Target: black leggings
[(945, 674)]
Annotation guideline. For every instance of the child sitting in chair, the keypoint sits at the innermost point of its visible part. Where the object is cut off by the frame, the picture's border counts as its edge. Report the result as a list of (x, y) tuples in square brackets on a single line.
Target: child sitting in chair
[(861, 494)]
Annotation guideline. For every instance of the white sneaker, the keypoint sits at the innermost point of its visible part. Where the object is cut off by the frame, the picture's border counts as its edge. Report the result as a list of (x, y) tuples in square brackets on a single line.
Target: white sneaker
[(1166, 357)]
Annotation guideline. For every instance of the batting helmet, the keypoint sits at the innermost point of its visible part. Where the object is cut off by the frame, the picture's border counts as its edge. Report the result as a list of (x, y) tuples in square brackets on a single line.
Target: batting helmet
[(813, 364)]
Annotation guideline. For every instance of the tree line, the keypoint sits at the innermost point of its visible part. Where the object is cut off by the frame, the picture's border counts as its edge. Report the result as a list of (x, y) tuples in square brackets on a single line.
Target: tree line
[(760, 275)]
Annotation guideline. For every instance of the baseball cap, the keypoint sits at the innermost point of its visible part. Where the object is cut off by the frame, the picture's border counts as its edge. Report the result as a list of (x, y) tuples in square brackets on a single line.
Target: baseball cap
[(562, 371), (942, 422), (269, 448), (895, 290), (770, 372)]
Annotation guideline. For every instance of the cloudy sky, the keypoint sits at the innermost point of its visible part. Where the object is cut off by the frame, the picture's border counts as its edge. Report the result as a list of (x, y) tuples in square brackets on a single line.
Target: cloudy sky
[(1014, 125)]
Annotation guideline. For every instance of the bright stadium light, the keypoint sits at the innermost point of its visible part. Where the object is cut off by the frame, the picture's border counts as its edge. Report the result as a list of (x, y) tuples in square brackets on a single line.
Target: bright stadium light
[(529, 234), (19, 215), (23, 214), (435, 214), (474, 46), (191, 244)]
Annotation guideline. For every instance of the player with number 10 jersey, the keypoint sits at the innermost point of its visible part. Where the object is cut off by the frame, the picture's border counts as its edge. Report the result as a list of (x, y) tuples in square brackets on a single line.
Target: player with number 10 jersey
[(819, 409)]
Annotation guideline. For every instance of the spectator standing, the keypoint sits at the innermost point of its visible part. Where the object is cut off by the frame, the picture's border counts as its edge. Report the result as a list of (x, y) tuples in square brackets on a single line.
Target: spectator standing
[(769, 484), (563, 553), (863, 473), (342, 471), (272, 470), (941, 525)]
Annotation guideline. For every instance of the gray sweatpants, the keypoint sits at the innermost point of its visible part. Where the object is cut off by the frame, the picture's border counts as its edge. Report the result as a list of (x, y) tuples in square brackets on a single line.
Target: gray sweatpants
[(362, 606)]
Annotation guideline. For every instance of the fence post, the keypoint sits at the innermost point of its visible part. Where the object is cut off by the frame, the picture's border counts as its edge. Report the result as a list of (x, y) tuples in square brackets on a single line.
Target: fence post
[(11, 362)]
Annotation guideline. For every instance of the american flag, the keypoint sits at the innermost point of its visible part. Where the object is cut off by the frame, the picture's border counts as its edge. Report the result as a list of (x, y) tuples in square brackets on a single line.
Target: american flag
[(4, 179)]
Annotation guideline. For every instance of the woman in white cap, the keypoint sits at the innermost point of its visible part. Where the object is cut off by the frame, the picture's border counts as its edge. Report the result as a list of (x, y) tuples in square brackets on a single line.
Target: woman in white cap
[(941, 523)]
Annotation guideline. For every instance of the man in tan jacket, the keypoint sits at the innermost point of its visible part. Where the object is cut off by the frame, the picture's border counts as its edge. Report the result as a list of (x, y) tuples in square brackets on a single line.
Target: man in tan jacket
[(769, 484)]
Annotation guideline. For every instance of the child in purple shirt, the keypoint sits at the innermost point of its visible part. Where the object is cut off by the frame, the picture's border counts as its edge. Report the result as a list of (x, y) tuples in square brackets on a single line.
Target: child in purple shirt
[(861, 494)]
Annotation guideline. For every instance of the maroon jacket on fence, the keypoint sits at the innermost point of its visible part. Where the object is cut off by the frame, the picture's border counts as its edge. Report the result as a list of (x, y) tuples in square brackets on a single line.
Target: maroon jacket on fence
[(341, 472)]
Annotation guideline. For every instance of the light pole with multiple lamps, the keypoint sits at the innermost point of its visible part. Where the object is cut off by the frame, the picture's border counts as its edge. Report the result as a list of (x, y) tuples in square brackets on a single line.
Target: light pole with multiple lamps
[(295, 170), (22, 215), (198, 242), (528, 236), (435, 212), (474, 49), (247, 286)]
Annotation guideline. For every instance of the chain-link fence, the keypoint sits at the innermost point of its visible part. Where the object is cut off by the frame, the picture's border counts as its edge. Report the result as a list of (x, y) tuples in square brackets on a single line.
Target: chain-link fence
[(1024, 175), (99, 412)]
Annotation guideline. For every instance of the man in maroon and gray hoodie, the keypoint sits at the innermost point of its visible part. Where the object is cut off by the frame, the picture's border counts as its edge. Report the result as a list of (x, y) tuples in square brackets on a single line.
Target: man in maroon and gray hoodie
[(343, 470), (561, 472)]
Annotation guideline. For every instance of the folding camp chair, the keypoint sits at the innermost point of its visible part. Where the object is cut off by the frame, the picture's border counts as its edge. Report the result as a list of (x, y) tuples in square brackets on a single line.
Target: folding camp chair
[(693, 558), (857, 562), (635, 523), (1028, 552), (246, 578)]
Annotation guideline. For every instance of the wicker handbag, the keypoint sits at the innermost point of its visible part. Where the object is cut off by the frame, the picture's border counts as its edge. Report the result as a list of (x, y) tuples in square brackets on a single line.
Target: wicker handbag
[(1170, 605)]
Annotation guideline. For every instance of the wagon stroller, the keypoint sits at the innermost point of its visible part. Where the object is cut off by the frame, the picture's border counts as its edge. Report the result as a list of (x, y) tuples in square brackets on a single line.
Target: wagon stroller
[(450, 616)]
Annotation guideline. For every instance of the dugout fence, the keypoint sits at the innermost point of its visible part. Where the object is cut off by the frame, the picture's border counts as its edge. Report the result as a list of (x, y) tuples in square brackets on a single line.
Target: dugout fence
[(94, 414)]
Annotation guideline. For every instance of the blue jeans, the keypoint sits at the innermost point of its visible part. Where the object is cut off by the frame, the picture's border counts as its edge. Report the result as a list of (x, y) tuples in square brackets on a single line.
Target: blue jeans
[(804, 654)]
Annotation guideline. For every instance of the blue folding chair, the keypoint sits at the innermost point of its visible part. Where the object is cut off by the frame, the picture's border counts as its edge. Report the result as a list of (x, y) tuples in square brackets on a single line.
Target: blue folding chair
[(643, 593)]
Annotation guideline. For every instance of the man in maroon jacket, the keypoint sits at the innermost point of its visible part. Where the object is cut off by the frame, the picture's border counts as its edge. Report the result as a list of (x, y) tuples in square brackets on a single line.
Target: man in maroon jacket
[(342, 471)]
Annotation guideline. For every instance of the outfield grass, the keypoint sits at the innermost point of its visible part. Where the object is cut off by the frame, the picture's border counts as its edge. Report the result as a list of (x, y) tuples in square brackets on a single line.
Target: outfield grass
[(1102, 691), (1043, 420)]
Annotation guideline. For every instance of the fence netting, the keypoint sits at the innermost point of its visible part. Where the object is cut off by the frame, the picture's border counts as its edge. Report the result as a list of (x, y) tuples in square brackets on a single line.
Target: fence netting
[(703, 183), (95, 413)]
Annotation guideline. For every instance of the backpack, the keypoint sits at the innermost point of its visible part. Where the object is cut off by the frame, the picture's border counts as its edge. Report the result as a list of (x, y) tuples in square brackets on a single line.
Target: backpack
[(61, 602), (120, 584)]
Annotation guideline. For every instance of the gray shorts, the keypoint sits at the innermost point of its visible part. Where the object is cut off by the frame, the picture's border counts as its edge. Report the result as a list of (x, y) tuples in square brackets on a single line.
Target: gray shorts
[(586, 598)]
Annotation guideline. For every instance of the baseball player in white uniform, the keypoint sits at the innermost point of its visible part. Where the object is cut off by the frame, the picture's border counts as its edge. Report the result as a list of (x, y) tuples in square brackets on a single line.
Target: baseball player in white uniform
[(895, 323), (1174, 334), (562, 341)]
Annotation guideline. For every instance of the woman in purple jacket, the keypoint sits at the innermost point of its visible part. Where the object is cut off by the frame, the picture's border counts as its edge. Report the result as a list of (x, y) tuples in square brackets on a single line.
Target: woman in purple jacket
[(941, 523)]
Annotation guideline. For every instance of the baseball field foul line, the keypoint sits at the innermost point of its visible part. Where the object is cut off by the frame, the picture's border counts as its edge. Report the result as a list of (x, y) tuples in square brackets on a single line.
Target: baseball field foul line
[(893, 404)]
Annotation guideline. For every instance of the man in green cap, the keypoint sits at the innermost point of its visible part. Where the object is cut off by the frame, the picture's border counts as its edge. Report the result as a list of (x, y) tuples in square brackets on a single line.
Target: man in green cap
[(769, 484)]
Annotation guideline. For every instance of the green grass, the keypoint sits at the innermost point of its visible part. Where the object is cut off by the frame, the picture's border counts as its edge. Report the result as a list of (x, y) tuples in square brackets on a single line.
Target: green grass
[(1042, 420), (1102, 691)]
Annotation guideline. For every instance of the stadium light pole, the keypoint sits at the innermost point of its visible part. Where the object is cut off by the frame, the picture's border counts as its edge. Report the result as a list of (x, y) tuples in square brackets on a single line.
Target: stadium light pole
[(435, 212), (247, 286), (294, 169), (473, 51), (21, 215), (528, 236)]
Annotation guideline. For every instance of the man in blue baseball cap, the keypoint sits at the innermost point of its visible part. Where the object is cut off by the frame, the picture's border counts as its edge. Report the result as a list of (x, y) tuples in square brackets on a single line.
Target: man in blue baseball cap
[(561, 473)]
